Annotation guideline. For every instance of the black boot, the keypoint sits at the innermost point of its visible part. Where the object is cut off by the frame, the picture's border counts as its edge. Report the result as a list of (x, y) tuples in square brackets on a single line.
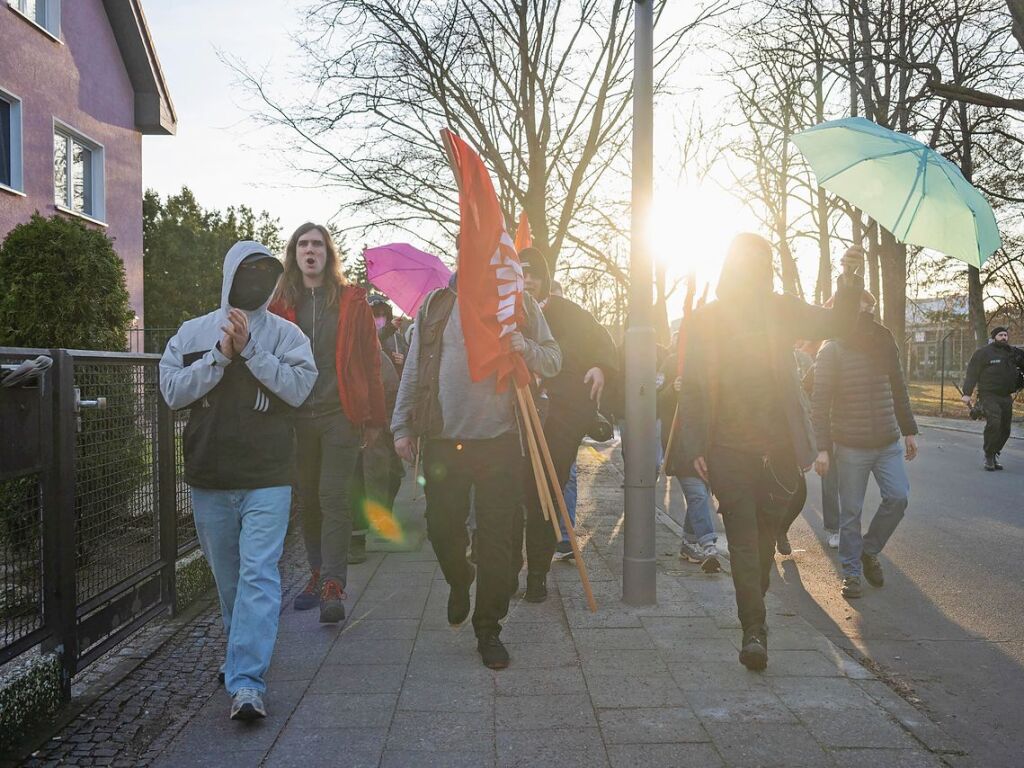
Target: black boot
[(990, 463), (492, 651), (754, 655), (536, 588)]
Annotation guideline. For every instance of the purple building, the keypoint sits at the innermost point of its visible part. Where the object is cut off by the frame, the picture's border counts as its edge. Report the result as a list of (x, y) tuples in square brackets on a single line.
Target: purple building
[(80, 84)]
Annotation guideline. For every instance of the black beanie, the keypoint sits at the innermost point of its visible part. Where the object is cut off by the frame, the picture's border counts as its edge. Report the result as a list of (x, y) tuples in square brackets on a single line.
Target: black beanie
[(533, 261), (997, 330)]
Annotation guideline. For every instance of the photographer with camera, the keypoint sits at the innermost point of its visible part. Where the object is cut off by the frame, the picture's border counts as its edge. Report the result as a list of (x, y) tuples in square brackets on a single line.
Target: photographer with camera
[(997, 370)]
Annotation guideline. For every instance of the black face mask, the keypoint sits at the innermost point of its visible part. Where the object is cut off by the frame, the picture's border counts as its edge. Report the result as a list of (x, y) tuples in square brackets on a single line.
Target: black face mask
[(253, 285)]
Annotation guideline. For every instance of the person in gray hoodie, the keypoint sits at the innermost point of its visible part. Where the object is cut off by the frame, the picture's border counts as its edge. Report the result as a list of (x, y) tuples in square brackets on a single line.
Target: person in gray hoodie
[(241, 372), (470, 442)]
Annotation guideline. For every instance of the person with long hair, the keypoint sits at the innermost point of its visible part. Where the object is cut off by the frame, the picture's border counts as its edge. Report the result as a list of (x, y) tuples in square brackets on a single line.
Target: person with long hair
[(344, 412)]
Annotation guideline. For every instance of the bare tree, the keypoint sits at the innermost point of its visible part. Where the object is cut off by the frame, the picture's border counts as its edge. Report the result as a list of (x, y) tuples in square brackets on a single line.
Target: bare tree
[(541, 88)]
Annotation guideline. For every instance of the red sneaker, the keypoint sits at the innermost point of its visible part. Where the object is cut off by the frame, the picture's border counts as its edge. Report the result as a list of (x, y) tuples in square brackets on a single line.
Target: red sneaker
[(332, 606)]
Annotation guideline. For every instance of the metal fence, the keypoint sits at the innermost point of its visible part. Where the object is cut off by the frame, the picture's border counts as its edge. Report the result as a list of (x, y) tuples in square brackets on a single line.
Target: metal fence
[(149, 340), (93, 510)]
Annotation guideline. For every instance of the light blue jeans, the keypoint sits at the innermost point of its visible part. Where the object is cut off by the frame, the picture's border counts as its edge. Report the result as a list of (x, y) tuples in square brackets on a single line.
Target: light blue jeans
[(242, 535), (698, 525), (570, 500), (855, 465), (830, 497)]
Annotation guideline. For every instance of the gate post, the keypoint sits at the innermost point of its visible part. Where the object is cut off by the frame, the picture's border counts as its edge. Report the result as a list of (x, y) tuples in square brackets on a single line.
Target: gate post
[(59, 518), (167, 485)]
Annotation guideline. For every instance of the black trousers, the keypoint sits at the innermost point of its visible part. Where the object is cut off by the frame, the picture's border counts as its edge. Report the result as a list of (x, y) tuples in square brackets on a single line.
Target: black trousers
[(753, 493), (998, 416), (493, 470), (564, 436), (796, 505)]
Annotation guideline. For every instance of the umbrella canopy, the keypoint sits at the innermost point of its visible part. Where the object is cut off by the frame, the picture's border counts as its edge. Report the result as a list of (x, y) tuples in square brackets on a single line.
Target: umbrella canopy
[(908, 188), (405, 274)]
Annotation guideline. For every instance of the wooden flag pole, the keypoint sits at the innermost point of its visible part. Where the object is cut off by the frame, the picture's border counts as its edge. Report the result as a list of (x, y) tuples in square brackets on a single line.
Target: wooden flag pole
[(560, 498), (547, 505)]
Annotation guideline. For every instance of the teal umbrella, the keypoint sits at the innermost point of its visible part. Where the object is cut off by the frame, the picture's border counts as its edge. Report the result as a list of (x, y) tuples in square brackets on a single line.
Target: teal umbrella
[(908, 188)]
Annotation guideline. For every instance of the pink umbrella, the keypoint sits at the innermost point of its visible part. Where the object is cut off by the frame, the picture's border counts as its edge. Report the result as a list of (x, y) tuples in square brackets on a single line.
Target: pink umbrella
[(405, 274)]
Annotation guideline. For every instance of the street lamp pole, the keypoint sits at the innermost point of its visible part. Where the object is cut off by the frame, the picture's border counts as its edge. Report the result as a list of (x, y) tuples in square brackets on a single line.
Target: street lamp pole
[(639, 560)]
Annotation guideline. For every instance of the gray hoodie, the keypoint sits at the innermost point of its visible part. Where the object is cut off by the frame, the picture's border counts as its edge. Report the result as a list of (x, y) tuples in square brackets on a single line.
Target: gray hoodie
[(239, 433), (473, 410)]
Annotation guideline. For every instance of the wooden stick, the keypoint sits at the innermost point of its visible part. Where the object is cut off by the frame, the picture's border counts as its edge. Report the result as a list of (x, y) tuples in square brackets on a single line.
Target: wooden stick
[(535, 456), (547, 506), (560, 498)]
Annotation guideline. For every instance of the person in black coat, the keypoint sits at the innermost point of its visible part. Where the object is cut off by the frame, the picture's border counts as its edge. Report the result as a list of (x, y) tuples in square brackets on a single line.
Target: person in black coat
[(748, 432), (996, 370), (588, 362)]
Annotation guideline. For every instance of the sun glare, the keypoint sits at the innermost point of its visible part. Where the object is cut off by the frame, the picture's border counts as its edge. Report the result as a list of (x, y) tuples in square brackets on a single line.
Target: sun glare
[(690, 229)]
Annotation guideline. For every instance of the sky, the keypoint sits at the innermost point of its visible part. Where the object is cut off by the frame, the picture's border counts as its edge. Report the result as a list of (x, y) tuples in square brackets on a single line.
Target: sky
[(227, 159)]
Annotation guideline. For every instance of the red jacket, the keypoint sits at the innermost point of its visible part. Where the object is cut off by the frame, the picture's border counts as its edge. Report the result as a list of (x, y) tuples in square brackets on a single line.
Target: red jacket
[(357, 358)]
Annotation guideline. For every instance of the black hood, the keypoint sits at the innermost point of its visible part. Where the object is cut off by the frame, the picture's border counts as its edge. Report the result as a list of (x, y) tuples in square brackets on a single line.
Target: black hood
[(747, 270)]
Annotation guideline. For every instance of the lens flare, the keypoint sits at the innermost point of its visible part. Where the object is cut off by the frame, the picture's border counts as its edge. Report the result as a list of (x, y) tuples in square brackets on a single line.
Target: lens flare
[(382, 521)]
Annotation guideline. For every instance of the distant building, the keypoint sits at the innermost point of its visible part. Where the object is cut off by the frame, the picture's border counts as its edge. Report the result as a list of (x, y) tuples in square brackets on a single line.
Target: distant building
[(934, 323), (80, 84)]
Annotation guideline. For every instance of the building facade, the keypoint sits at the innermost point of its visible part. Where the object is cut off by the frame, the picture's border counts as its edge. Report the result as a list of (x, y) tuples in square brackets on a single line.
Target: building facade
[(80, 84)]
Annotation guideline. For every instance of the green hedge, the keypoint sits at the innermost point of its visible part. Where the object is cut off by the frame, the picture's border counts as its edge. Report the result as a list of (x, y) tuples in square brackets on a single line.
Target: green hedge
[(29, 696)]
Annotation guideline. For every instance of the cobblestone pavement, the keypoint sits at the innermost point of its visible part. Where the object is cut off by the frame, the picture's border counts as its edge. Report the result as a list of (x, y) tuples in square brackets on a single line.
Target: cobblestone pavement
[(131, 723), (652, 686)]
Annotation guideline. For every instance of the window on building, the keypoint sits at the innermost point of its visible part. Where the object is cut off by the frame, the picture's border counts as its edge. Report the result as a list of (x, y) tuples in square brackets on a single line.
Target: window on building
[(10, 141), (45, 13), (77, 174)]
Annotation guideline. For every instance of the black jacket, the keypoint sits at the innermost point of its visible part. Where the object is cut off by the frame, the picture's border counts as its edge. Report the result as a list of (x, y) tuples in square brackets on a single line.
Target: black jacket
[(585, 344), (995, 369), (860, 397), (722, 329)]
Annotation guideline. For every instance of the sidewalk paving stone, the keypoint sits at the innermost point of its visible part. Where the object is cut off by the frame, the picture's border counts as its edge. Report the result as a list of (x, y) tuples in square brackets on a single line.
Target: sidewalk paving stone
[(625, 687)]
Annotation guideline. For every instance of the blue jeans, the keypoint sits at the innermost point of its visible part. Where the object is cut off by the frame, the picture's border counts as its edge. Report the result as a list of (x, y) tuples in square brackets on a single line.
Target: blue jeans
[(698, 525), (854, 466), (830, 497), (242, 535), (570, 500)]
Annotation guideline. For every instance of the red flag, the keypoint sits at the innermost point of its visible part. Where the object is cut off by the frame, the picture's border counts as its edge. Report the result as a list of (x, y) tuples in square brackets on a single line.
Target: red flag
[(490, 278), (524, 237)]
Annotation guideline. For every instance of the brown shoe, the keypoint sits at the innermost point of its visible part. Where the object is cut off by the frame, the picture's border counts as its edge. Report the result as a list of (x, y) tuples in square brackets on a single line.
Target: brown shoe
[(332, 605)]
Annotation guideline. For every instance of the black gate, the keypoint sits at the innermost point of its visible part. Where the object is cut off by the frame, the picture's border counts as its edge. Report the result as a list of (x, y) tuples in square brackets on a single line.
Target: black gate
[(93, 515)]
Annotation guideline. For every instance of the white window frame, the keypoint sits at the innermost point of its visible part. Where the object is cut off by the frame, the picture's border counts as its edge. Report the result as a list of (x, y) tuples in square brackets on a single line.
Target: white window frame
[(51, 28), (17, 185), (98, 214)]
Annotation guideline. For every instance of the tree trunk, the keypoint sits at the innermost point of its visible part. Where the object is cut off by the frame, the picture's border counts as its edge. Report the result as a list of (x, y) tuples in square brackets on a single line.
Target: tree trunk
[(894, 288), (823, 292), (976, 306), (874, 279)]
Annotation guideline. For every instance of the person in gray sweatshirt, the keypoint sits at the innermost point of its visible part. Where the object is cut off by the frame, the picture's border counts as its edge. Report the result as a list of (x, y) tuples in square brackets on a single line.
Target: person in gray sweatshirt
[(241, 372), (470, 440)]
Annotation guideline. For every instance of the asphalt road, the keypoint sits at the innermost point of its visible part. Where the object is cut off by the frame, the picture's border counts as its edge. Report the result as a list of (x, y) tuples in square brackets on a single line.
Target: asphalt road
[(948, 626)]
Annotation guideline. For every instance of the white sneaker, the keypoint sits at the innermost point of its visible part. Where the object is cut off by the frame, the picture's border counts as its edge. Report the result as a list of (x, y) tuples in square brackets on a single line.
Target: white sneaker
[(691, 551), (710, 563), (247, 704), (833, 539)]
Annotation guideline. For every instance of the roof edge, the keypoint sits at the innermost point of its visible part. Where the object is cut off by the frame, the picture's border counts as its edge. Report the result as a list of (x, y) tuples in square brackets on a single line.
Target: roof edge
[(154, 110)]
